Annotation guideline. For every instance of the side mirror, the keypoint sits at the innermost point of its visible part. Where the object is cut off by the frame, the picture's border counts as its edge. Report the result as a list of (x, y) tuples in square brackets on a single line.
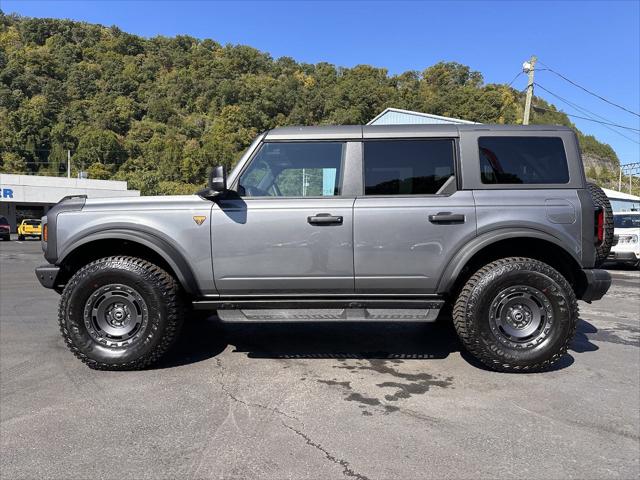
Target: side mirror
[(217, 184), (218, 179)]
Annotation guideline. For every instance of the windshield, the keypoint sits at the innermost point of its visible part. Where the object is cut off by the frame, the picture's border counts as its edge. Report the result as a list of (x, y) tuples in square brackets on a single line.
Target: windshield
[(4, 221), (33, 223), (626, 221)]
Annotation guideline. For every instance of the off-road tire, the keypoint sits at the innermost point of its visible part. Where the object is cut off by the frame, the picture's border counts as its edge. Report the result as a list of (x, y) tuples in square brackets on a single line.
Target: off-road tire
[(600, 199), (161, 295), (471, 315)]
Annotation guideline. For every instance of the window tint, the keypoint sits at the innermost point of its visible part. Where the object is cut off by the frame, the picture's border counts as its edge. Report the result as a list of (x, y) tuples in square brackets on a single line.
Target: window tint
[(407, 167), (33, 223), (4, 221), (296, 169), (522, 160)]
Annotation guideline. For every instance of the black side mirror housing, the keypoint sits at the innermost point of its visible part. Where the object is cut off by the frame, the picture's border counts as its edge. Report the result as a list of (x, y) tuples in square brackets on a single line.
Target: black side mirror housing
[(217, 183), (218, 179)]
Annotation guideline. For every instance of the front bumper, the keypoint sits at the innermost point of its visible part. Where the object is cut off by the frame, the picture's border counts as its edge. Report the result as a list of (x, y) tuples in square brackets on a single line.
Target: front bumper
[(47, 275), (597, 284)]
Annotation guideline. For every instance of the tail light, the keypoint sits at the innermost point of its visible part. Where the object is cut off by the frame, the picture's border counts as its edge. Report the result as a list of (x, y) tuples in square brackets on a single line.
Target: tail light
[(45, 232), (599, 225)]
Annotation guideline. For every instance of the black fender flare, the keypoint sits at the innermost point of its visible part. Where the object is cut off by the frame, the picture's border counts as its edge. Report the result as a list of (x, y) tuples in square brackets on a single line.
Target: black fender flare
[(462, 257), (143, 236)]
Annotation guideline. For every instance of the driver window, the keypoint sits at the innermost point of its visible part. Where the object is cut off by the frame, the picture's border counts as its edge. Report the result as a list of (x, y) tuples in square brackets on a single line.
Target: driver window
[(294, 169)]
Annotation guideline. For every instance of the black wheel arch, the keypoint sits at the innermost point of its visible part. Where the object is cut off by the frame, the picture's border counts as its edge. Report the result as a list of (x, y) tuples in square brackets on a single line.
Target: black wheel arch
[(509, 242), (128, 241)]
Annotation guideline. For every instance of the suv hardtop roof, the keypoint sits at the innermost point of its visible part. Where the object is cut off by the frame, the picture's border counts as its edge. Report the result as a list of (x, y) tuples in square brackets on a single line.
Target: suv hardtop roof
[(359, 132)]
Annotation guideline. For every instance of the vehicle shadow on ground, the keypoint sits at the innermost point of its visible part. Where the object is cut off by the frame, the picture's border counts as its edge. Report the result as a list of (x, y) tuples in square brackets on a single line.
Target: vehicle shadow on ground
[(204, 338)]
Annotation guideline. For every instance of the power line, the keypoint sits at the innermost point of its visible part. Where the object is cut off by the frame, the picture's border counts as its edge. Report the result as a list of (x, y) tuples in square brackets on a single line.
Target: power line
[(587, 112), (589, 91), (504, 107), (508, 104), (586, 118), (515, 78)]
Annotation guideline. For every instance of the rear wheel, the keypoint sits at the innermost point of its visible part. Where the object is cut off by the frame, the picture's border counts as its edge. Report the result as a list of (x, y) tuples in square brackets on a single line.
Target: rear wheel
[(516, 314), (120, 313), (21, 237)]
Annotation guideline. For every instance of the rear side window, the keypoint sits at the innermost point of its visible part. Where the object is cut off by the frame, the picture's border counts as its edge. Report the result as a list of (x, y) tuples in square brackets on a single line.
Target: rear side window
[(4, 221), (522, 160), (407, 167)]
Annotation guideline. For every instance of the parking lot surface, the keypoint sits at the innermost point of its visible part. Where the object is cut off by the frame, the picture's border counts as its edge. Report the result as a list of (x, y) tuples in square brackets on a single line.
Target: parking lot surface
[(316, 401)]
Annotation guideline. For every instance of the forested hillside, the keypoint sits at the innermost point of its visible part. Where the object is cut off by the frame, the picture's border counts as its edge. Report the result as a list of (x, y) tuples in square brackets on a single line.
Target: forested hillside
[(159, 112)]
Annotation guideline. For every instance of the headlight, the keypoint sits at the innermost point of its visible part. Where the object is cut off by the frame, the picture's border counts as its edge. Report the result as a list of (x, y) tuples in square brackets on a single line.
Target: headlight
[(627, 239)]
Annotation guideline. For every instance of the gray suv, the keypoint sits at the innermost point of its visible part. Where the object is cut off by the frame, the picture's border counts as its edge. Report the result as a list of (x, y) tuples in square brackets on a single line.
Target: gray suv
[(495, 225)]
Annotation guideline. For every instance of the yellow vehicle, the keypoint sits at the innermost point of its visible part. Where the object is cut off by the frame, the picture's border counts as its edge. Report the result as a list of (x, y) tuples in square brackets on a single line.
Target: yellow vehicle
[(29, 228)]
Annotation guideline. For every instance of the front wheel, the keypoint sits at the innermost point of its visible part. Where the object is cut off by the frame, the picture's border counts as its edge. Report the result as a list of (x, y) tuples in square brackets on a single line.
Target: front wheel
[(516, 314), (120, 313)]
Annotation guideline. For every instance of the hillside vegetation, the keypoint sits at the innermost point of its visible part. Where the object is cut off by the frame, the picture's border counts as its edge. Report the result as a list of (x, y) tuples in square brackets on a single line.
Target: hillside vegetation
[(160, 112)]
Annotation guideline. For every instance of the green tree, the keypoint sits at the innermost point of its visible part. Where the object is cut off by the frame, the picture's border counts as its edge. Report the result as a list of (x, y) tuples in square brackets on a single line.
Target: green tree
[(98, 146), (13, 163)]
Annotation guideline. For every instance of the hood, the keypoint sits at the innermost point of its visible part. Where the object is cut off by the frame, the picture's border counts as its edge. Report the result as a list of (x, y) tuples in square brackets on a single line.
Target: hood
[(162, 202)]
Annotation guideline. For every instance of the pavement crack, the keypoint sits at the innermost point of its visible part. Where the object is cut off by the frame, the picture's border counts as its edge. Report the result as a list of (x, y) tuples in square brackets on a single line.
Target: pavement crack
[(347, 471), (233, 397)]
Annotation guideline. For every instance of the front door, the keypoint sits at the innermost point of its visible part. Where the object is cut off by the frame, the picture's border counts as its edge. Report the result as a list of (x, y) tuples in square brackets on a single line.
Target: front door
[(287, 229), (411, 219)]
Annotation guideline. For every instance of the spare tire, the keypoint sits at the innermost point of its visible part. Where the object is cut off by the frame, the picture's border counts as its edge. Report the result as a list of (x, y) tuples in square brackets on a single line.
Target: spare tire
[(600, 199)]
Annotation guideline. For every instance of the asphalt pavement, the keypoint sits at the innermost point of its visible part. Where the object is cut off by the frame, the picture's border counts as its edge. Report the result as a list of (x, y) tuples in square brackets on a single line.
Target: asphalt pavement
[(314, 401)]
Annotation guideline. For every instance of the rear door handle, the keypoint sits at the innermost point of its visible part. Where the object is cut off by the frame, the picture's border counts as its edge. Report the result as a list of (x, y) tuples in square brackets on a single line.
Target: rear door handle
[(324, 219), (446, 217)]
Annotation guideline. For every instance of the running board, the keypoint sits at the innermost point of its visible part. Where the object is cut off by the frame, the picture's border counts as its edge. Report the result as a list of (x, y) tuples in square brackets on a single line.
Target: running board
[(329, 315), (324, 309), (238, 303)]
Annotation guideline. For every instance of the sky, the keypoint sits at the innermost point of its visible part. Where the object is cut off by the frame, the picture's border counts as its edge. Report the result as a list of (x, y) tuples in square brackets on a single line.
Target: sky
[(596, 44)]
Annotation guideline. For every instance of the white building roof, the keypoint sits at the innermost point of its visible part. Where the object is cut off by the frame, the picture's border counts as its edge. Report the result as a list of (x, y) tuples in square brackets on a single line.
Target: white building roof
[(50, 190), (620, 195), (397, 116)]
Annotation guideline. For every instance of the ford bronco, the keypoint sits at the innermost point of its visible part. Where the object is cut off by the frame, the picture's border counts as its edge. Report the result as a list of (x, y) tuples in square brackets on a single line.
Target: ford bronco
[(495, 225)]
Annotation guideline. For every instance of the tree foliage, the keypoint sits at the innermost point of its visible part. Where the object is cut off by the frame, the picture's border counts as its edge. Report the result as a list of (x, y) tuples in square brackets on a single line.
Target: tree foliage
[(160, 112)]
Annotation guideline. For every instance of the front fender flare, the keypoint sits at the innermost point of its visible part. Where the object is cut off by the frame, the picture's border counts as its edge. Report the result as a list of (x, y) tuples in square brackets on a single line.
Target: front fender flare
[(147, 238)]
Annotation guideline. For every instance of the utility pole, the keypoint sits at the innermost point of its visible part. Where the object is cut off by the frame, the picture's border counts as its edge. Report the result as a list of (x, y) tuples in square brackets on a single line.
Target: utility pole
[(620, 180), (529, 68), (68, 163)]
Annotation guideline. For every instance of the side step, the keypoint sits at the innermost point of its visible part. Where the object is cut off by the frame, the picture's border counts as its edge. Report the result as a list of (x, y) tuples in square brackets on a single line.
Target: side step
[(324, 310), (329, 315)]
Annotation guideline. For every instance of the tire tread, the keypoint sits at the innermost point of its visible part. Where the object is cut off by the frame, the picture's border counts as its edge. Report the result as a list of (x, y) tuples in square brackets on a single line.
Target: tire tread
[(471, 341), (150, 272)]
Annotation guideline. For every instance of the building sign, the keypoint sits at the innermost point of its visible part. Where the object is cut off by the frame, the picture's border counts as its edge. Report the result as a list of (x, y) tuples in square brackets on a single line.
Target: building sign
[(6, 193)]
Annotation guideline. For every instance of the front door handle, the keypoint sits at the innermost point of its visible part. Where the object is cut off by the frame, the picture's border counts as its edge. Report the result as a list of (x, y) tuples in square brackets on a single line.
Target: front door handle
[(324, 219), (446, 217)]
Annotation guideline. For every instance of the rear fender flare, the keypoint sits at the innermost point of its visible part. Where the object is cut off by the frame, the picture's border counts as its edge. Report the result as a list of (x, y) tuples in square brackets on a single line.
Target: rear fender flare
[(464, 255)]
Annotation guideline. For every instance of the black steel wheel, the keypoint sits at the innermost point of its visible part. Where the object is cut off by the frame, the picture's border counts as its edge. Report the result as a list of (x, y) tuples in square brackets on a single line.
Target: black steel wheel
[(120, 313), (115, 315), (516, 314)]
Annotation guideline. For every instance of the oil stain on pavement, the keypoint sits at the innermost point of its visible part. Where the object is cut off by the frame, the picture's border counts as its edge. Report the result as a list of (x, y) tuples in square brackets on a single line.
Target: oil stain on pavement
[(404, 385)]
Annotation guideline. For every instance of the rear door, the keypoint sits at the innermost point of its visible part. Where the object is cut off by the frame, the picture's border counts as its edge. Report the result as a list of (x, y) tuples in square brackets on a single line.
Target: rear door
[(412, 218), (289, 228)]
